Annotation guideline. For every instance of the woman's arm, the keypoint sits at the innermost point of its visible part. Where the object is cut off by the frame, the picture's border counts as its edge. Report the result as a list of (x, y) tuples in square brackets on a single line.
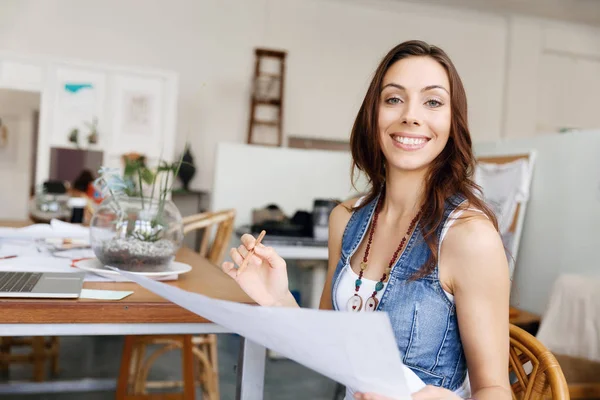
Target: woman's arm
[(474, 267), (338, 219)]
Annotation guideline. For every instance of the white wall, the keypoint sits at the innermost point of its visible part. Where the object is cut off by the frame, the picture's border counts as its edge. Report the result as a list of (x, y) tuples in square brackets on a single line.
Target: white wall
[(553, 76), (250, 177), (17, 112), (334, 46), (560, 230), (334, 49)]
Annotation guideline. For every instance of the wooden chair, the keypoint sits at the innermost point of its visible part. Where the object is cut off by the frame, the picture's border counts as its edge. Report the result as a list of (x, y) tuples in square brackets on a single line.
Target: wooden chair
[(43, 350), (223, 221), (535, 373), (205, 372)]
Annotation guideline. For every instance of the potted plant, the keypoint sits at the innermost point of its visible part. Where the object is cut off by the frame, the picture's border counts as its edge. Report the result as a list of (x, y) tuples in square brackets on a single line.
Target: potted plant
[(93, 128), (137, 227)]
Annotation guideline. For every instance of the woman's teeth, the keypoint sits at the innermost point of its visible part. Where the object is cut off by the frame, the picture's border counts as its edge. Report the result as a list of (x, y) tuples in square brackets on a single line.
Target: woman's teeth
[(407, 140)]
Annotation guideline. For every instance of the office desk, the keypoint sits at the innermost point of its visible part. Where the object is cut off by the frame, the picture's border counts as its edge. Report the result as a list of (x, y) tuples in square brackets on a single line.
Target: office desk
[(142, 313), (319, 254)]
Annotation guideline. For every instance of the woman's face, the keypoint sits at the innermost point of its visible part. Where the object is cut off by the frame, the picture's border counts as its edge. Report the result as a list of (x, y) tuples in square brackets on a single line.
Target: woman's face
[(414, 113)]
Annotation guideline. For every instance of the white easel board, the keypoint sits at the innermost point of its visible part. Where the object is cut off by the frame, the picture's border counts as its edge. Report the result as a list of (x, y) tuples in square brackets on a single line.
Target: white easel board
[(512, 236)]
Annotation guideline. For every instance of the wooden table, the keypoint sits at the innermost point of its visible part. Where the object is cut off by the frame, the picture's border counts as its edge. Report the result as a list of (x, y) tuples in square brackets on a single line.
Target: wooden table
[(15, 223), (525, 320), (141, 307), (143, 312)]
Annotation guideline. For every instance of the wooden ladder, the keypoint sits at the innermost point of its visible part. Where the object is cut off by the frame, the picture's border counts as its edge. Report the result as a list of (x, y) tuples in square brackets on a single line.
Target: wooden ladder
[(267, 93)]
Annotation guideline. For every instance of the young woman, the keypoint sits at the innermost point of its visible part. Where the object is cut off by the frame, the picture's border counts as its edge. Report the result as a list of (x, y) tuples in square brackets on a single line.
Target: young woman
[(421, 245)]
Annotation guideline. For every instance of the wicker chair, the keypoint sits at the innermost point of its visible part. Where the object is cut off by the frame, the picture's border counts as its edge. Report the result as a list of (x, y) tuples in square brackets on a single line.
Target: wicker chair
[(203, 348), (534, 370)]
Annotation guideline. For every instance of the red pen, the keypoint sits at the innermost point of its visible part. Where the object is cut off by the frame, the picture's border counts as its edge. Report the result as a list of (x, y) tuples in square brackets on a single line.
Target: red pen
[(7, 257)]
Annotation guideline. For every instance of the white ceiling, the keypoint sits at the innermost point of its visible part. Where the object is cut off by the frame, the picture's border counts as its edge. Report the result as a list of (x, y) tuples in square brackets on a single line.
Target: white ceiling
[(583, 11)]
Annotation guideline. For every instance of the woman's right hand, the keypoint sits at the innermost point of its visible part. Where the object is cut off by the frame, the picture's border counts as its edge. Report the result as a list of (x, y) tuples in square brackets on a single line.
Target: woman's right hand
[(264, 278)]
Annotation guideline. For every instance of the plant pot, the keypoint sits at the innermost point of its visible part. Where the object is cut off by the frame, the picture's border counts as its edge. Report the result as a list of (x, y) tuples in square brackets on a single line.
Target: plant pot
[(136, 235), (187, 170)]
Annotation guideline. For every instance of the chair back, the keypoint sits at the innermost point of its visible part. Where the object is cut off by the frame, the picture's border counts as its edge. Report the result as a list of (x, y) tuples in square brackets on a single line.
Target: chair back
[(535, 373), (212, 247)]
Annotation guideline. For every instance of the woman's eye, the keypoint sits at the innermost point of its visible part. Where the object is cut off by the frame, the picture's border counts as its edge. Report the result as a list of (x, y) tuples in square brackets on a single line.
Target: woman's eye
[(434, 103), (393, 100)]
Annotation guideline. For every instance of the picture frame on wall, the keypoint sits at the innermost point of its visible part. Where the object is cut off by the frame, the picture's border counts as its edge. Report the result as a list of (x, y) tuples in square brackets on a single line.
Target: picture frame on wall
[(137, 113), (138, 117), (79, 100)]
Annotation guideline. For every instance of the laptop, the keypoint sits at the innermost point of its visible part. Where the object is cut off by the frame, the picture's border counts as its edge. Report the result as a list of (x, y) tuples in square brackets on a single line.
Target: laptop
[(41, 284)]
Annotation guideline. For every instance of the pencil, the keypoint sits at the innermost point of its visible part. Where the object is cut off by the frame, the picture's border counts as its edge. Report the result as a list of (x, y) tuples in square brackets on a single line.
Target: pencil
[(251, 253)]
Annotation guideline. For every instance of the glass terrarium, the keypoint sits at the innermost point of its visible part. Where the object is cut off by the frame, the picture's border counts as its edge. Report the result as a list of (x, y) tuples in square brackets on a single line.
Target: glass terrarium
[(136, 234)]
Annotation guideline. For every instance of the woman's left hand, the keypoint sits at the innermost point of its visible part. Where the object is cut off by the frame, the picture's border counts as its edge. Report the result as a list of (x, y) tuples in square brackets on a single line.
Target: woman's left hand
[(427, 393), (434, 393)]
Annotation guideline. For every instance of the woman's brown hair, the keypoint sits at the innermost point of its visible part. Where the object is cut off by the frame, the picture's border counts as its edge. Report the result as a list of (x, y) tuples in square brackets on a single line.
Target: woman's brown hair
[(452, 170)]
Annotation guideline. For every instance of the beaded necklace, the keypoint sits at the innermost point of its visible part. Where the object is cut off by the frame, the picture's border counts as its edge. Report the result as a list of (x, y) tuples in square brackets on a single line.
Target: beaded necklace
[(356, 302)]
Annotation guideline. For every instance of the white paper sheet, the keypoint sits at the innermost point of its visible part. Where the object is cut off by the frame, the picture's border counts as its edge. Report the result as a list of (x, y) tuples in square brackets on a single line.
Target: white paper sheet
[(40, 263), (75, 254), (355, 349), (46, 263), (56, 229), (30, 260), (19, 248)]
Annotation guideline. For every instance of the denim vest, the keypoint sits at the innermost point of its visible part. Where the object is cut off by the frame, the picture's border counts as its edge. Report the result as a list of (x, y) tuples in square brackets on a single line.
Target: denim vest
[(422, 316)]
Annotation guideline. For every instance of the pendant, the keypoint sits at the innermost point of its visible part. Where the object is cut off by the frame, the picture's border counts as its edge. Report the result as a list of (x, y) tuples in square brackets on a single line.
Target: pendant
[(355, 303), (371, 304)]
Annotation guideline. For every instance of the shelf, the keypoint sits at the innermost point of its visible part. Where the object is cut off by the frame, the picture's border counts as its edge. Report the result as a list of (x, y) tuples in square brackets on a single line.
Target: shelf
[(183, 192), (270, 53), (266, 123), (273, 102), (269, 75)]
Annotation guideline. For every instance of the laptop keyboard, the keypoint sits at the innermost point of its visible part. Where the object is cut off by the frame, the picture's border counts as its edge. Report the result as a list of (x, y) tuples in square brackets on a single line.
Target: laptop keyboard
[(22, 282)]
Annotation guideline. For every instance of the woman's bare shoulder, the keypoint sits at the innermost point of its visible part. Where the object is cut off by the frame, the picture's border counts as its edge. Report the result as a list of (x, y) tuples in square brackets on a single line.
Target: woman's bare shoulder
[(341, 214)]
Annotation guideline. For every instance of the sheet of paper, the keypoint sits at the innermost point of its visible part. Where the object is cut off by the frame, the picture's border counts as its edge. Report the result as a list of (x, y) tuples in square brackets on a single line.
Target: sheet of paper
[(47, 263), (104, 294), (33, 261), (75, 254), (343, 346), (56, 229), (18, 248), (98, 277), (73, 230), (42, 263)]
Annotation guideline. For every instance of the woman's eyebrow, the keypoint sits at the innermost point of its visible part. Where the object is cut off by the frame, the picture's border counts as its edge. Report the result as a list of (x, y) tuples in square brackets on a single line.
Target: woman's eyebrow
[(425, 89)]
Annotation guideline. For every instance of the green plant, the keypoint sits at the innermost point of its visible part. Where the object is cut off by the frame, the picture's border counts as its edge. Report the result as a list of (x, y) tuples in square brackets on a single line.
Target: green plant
[(93, 127), (135, 174), (74, 137), (135, 178)]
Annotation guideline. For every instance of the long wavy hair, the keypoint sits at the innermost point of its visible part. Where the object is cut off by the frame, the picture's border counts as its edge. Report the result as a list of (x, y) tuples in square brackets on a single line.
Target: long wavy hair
[(450, 173)]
